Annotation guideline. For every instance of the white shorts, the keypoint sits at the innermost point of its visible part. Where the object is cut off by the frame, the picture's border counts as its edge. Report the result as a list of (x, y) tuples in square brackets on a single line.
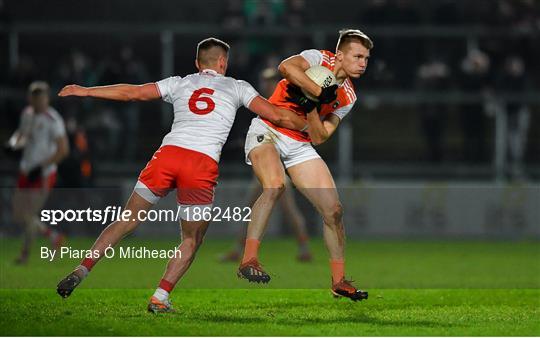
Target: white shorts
[(291, 151)]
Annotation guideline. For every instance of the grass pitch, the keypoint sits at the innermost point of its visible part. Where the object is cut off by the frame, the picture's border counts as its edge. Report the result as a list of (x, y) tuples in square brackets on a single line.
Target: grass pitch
[(416, 288)]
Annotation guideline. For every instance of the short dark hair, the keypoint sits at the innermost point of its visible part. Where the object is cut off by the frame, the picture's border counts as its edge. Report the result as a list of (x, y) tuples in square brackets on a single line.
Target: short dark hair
[(347, 36), (38, 87), (208, 50)]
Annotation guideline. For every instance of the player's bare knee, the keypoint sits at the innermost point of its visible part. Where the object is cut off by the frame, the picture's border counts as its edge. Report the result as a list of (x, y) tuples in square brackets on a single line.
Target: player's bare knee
[(333, 215), (274, 188)]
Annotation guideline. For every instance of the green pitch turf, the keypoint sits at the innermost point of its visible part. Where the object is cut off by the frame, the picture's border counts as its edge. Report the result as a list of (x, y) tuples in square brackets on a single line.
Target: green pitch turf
[(416, 288)]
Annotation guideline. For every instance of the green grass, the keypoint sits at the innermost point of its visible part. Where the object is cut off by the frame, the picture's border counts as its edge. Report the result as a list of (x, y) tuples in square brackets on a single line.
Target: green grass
[(416, 288), (273, 312)]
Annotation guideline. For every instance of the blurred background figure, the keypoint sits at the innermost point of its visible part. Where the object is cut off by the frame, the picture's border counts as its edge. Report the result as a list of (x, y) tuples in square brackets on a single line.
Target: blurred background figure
[(295, 14), (76, 169), (42, 138), (233, 17), (513, 78), (474, 81), (132, 70), (292, 216), (264, 13), (434, 75)]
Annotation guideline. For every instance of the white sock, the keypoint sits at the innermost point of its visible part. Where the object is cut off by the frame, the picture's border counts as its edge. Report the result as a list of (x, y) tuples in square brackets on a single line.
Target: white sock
[(84, 271), (161, 294)]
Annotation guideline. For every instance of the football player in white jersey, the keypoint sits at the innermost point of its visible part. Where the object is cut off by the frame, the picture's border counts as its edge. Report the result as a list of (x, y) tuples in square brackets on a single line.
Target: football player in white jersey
[(205, 105), (42, 138)]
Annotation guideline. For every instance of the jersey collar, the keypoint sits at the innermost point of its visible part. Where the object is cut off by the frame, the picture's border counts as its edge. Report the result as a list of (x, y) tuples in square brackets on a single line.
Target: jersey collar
[(210, 72)]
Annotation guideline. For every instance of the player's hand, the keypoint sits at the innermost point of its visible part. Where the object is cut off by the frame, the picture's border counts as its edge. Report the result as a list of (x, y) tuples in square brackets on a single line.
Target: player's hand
[(35, 174), (11, 152), (73, 90), (328, 94), (295, 95)]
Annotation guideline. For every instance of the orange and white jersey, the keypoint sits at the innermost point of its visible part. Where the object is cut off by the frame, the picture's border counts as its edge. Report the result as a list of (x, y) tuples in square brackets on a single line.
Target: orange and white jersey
[(205, 106), (41, 130), (346, 96)]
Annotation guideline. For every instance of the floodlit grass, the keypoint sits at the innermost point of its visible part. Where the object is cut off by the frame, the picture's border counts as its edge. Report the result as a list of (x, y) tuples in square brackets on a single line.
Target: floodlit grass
[(416, 288)]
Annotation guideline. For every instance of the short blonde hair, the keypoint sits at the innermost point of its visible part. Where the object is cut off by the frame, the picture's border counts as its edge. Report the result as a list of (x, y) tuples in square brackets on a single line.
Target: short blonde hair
[(348, 35), (208, 50), (38, 87)]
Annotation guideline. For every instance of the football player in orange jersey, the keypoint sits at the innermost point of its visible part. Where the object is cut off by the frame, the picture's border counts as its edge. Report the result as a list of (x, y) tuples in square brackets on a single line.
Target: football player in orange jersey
[(271, 150)]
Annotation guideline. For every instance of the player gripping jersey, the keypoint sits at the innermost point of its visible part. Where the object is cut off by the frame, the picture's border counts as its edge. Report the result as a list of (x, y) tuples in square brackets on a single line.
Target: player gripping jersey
[(205, 106)]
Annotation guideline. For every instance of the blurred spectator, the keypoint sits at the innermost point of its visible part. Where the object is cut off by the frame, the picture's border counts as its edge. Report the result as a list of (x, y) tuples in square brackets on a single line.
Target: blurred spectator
[(433, 75), (445, 13), (268, 80), (474, 81), (18, 80), (132, 70), (4, 17), (76, 170), (24, 73), (402, 51), (402, 12), (295, 15), (480, 12), (264, 12), (233, 17), (77, 68), (521, 15), (376, 12), (518, 116), (104, 128), (379, 76)]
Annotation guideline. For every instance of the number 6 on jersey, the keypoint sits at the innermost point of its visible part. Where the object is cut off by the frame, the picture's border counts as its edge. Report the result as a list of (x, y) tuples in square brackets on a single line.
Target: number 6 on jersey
[(196, 97)]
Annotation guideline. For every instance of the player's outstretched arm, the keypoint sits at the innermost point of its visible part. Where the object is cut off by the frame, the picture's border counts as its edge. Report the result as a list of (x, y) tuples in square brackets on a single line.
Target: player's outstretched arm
[(118, 92), (320, 131), (278, 116), (293, 69)]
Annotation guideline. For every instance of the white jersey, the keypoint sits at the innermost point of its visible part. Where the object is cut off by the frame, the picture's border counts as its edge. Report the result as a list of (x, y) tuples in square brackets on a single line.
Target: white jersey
[(205, 106), (41, 130)]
